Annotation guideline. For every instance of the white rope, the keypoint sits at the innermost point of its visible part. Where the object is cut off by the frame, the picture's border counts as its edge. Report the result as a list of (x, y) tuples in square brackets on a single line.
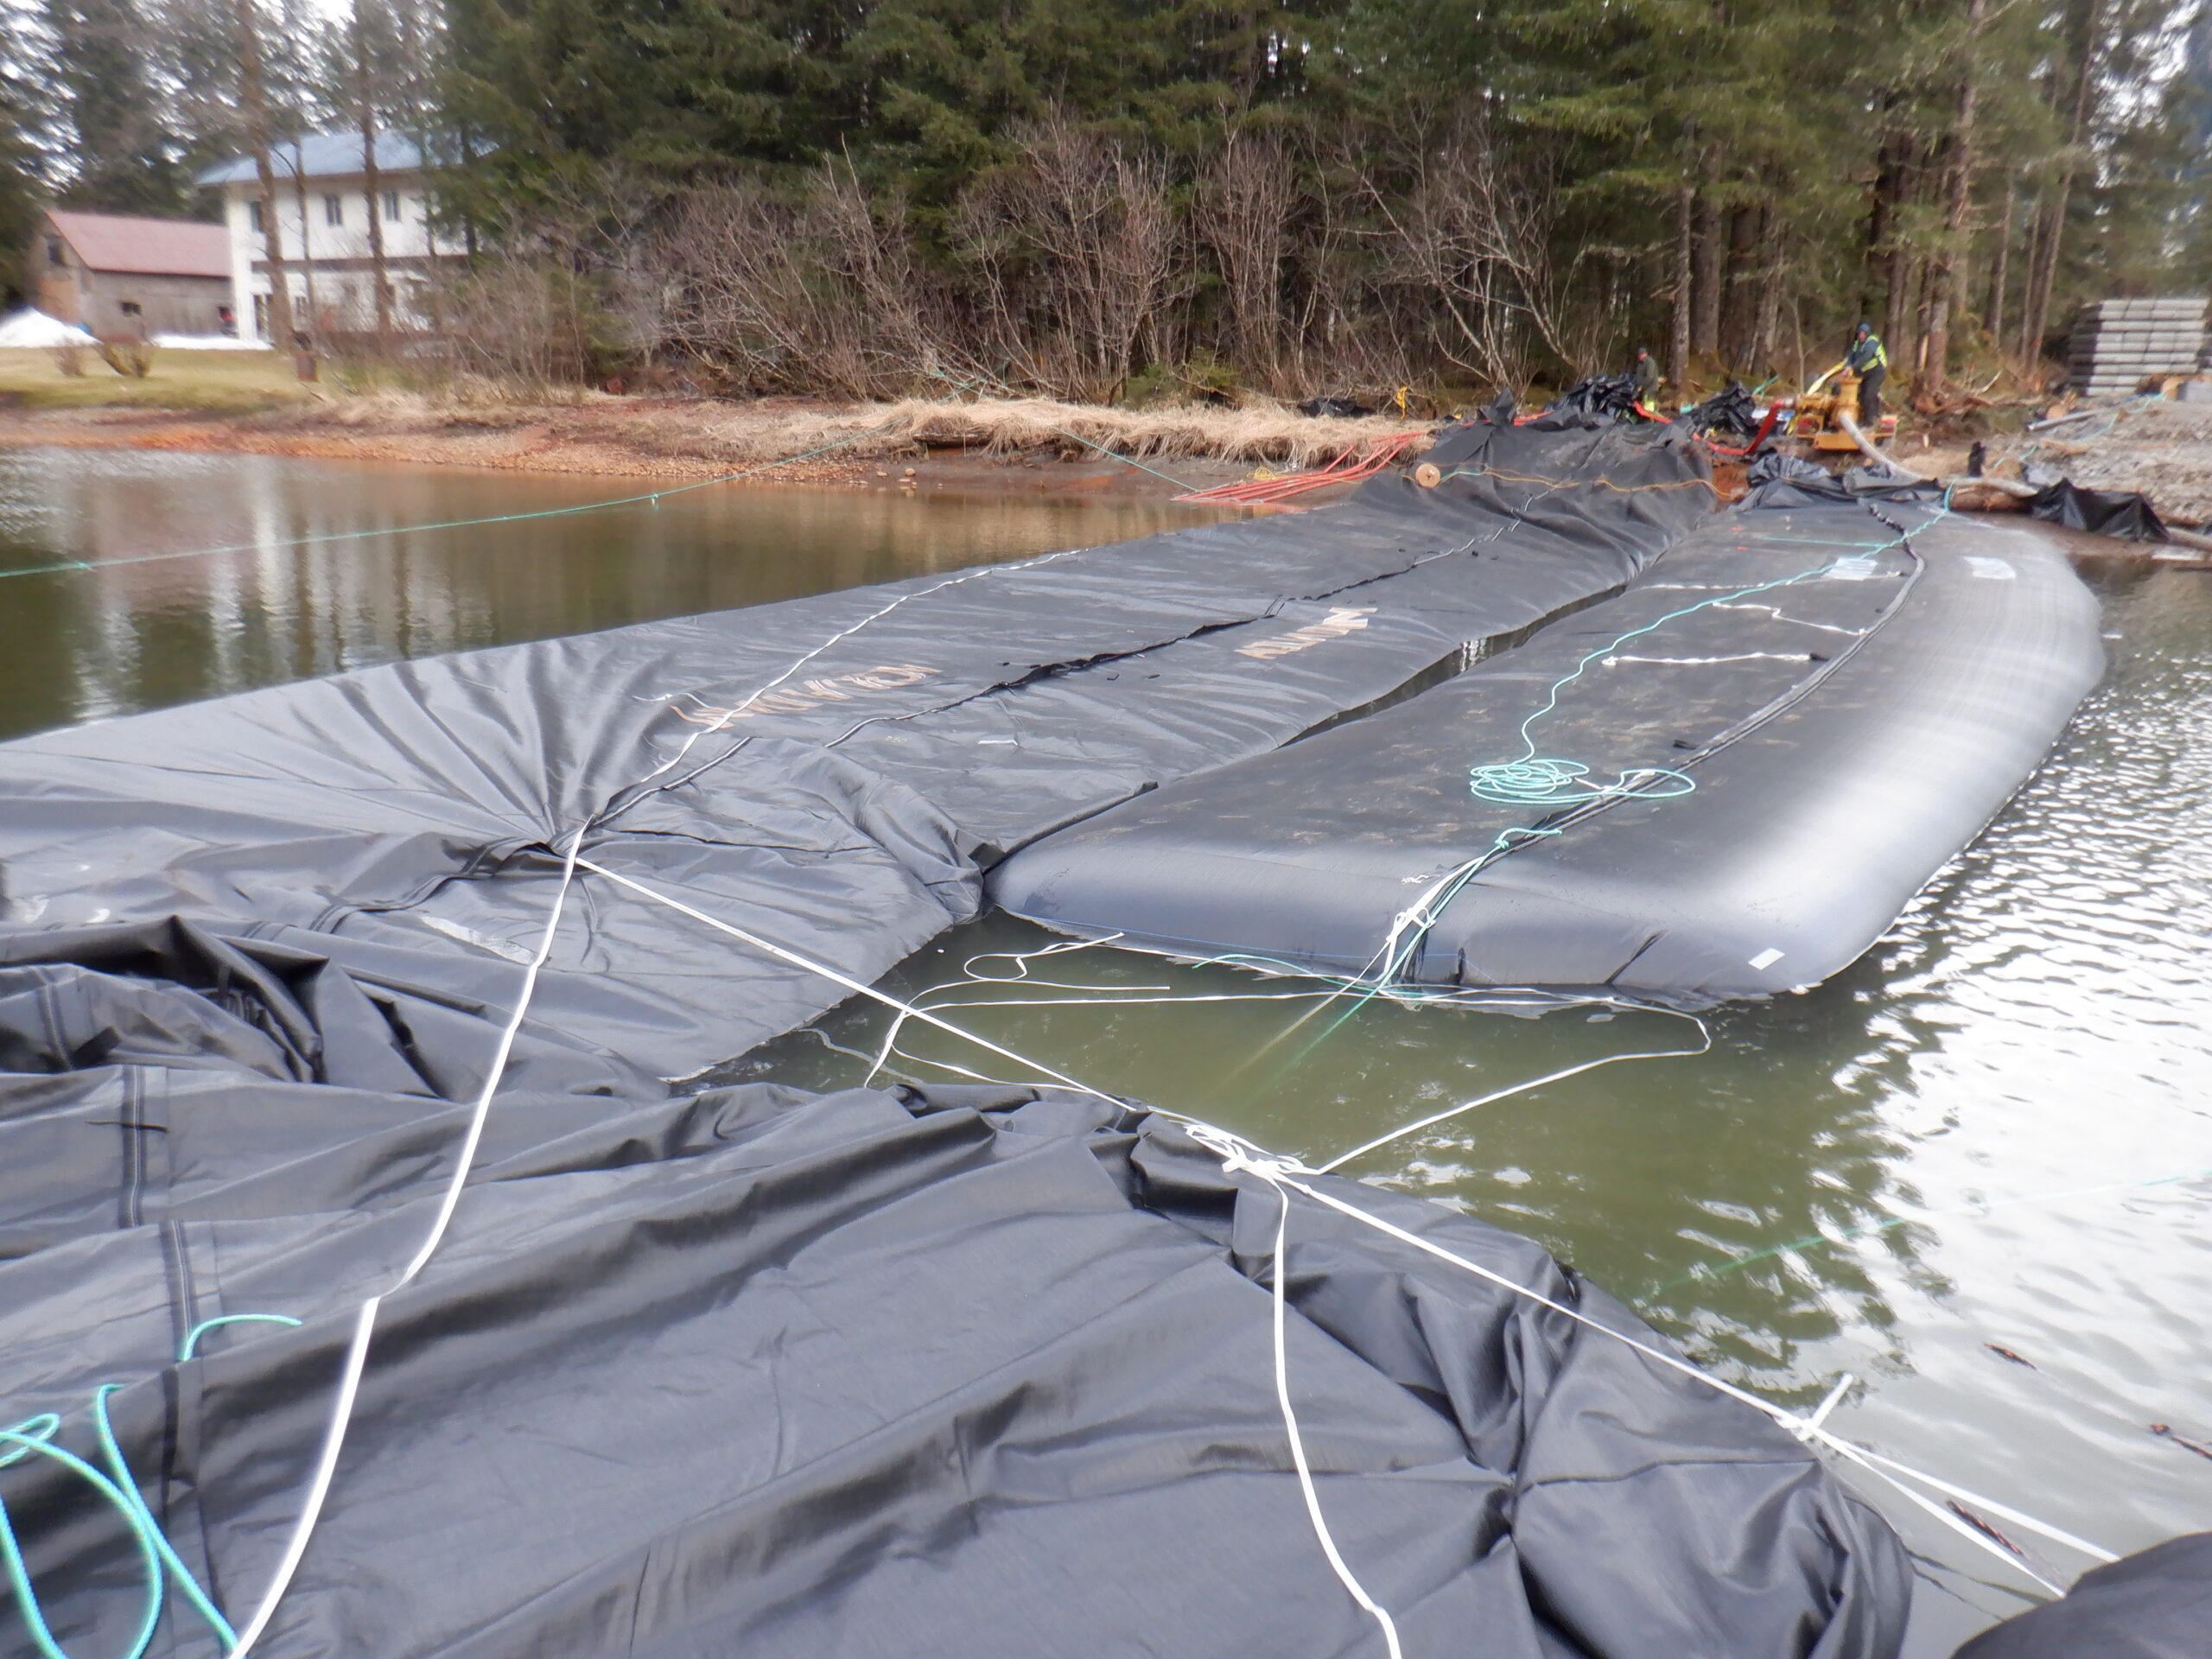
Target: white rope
[(1344, 1575), (1873, 1462), (1344, 1157), (356, 1350), (1707, 662), (1236, 1152), (1781, 615), (834, 977)]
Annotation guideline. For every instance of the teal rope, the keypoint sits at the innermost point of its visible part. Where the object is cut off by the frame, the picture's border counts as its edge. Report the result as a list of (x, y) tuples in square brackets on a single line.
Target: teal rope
[(34, 1437), (41, 1428), (192, 1337), (149, 1528), (19, 1577), (1532, 779), (1540, 781)]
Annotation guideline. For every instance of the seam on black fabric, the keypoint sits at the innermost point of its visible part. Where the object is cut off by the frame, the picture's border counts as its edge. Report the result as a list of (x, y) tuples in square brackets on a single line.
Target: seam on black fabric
[(333, 916), (174, 1380), (1635, 956), (1777, 1459), (50, 1013), (130, 1118), (176, 1270), (1065, 665)]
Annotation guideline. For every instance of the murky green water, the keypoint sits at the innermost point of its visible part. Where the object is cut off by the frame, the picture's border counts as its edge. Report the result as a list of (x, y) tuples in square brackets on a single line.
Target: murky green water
[(1992, 1133)]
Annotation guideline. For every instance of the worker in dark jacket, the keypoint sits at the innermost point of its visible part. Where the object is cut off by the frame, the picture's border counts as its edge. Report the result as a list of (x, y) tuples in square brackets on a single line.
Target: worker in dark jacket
[(1646, 373), (1871, 364)]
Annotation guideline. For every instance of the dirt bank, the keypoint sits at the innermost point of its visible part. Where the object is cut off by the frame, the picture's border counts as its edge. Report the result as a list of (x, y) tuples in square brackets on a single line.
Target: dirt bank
[(1023, 446), (2159, 447)]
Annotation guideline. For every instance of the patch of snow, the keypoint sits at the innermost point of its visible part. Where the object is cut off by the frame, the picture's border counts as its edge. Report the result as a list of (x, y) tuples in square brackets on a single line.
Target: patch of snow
[(207, 343), (31, 328)]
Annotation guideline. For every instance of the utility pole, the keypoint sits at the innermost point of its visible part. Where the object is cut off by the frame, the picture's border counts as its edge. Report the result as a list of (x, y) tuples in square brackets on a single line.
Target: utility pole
[(306, 259), (373, 182), (253, 97)]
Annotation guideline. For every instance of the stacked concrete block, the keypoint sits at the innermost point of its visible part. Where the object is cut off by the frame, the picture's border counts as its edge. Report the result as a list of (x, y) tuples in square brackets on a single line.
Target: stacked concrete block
[(2117, 344)]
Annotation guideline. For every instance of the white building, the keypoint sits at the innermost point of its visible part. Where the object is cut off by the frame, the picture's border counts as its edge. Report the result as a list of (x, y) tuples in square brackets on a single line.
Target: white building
[(323, 206)]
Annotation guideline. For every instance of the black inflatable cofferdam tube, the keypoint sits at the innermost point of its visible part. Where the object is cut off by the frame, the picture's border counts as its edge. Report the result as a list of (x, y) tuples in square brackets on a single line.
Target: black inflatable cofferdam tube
[(1843, 732), (683, 1371), (849, 763)]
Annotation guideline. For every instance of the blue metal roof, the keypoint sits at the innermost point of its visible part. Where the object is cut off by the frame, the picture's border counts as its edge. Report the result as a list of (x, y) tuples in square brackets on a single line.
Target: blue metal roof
[(323, 155)]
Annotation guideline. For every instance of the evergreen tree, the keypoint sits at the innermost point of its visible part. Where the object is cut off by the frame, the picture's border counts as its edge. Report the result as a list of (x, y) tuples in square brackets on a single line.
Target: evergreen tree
[(22, 119), (1467, 187), (124, 157)]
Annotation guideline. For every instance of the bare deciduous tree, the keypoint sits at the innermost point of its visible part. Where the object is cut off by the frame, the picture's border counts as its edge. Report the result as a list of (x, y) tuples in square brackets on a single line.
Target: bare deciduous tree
[(1096, 218), (1478, 241), (1246, 197)]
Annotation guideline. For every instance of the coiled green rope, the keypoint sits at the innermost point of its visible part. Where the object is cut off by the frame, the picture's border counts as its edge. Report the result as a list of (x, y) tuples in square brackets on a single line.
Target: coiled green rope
[(1531, 779), (34, 1437)]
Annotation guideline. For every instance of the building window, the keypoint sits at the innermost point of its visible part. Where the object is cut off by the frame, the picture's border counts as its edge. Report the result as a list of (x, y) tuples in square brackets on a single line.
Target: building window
[(334, 210), (54, 253), (130, 308), (391, 207), (253, 216)]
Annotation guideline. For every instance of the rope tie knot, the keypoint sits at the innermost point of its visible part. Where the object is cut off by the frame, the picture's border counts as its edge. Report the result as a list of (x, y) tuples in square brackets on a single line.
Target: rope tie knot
[(1236, 1153)]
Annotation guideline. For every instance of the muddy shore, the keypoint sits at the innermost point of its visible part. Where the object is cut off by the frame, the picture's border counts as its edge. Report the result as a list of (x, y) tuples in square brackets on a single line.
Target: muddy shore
[(678, 441), (2162, 448)]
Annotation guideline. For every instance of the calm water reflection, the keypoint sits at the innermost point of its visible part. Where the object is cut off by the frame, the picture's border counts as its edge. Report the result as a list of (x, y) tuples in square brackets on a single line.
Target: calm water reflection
[(1991, 1133), (84, 644)]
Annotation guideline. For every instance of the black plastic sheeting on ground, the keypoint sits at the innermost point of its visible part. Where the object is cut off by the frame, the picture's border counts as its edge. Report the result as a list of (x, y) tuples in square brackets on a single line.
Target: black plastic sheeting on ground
[(973, 1371), (2108, 512), (1846, 733), (1730, 411), (1781, 480), (2154, 1605), (1608, 396), (830, 773)]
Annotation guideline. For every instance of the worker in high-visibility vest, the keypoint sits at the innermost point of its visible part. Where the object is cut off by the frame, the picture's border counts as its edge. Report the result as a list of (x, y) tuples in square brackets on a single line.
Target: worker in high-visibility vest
[(1871, 364)]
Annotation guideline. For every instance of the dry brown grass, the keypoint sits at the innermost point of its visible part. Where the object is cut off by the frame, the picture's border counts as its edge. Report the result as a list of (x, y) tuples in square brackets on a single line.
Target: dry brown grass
[(1008, 426), (690, 435)]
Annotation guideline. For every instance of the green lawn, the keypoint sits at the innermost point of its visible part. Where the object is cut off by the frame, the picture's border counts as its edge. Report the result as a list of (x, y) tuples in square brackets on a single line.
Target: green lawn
[(229, 382)]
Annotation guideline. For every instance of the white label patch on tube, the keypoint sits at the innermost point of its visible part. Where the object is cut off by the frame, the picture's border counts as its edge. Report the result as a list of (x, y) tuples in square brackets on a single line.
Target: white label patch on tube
[(1990, 569), (1340, 621), (468, 934), (1857, 567), (1765, 959)]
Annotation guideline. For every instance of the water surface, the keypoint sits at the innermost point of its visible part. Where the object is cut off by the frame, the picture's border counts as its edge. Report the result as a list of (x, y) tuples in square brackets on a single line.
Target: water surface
[(160, 620), (1986, 1143)]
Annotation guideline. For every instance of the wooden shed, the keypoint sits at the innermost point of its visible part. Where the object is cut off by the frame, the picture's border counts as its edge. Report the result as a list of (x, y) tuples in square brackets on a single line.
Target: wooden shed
[(124, 277)]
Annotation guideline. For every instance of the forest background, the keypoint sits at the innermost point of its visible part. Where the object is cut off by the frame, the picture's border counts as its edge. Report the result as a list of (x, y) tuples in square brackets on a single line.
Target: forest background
[(1123, 200)]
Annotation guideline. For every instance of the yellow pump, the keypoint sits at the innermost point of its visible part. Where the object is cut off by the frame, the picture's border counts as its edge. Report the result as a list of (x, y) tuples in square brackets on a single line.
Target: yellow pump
[(1814, 420)]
